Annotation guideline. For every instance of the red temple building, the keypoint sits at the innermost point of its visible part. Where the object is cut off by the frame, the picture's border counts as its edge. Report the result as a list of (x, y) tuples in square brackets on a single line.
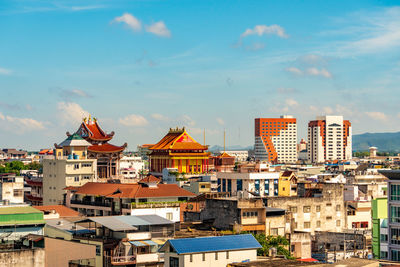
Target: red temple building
[(107, 155), (179, 150)]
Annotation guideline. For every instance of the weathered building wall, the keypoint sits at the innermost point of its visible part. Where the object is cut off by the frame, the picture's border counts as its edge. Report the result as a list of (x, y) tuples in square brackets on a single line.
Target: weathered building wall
[(225, 213), (323, 213), (26, 258)]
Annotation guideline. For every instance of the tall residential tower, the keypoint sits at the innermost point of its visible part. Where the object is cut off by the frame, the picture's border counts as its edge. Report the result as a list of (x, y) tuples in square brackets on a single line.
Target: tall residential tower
[(276, 139), (329, 138)]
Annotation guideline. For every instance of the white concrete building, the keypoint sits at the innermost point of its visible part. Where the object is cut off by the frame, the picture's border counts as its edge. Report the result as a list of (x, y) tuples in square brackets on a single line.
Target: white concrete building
[(70, 168), (11, 189), (249, 184), (329, 138), (224, 250), (131, 167), (276, 139)]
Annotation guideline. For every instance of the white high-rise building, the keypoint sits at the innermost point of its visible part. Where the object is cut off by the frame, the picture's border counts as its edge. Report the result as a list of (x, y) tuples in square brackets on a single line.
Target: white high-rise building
[(276, 139), (329, 138)]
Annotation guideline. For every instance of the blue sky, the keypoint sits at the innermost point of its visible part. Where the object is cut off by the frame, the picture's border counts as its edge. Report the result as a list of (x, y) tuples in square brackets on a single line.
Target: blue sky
[(141, 67)]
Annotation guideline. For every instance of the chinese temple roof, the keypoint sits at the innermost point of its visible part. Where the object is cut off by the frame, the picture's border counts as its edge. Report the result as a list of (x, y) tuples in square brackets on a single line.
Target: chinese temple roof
[(178, 139), (225, 155), (90, 129), (106, 148)]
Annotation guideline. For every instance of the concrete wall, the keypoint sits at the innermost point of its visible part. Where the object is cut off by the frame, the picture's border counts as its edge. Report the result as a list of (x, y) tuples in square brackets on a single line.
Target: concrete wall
[(60, 252), (210, 258), (331, 206), (26, 258)]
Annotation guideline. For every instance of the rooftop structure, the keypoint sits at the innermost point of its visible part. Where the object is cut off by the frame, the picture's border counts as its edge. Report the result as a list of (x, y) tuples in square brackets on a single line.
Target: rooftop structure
[(177, 149)]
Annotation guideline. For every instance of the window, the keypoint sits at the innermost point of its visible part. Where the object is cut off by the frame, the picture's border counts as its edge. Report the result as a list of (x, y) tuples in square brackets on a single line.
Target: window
[(227, 254), (337, 207), (329, 217), (307, 225), (318, 224), (173, 262), (191, 258), (384, 238), (337, 222), (293, 209), (169, 216), (86, 165), (384, 254), (274, 231), (318, 208), (306, 209), (395, 192), (98, 250), (329, 204), (394, 214), (204, 256), (216, 256), (86, 177), (18, 193), (76, 178), (76, 166)]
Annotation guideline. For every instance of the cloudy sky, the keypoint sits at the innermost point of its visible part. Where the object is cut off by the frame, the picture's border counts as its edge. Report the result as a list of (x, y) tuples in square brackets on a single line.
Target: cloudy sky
[(141, 67)]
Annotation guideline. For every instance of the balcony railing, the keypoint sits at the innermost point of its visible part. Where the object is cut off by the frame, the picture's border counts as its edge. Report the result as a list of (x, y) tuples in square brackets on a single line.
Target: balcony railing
[(143, 205), (131, 259), (91, 203)]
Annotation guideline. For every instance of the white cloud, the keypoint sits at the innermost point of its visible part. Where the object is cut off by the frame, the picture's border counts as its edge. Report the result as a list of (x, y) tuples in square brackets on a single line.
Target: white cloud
[(283, 90), (220, 121), (133, 120), (312, 59), (291, 102), (4, 71), (265, 30), (187, 120), (294, 70), (130, 20), (376, 115), (310, 71), (20, 125), (71, 113), (159, 29), (327, 110), (159, 117), (319, 72), (67, 94)]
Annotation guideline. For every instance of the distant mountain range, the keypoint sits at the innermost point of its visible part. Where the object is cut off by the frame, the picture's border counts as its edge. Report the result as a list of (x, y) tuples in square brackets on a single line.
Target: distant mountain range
[(217, 148), (385, 142)]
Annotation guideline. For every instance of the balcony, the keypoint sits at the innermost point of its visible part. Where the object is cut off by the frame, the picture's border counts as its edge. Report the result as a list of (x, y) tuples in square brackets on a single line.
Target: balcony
[(123, 260), (91, 203), (152, 257), (147, 205)]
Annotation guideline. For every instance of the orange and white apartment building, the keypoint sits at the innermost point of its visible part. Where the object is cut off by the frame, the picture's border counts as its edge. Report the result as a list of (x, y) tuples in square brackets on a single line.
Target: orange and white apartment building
[(276, 139), (329, 139)]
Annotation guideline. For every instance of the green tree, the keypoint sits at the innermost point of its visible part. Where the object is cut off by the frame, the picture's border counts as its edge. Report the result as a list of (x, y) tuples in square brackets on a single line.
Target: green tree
[(267, 242)]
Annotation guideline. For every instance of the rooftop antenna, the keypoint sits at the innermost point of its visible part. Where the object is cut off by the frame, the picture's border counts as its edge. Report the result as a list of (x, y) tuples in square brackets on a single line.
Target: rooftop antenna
[(224, 140), (204, 136)]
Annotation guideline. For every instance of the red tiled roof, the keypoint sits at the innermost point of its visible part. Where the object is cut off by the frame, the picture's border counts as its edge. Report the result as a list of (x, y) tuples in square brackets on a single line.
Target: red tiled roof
[(95, 132), (225, 155), (44, 151), (106, 148), (150, 179), (63, 211), (132, 190), (147, 145), (163, 190), (178, 139)]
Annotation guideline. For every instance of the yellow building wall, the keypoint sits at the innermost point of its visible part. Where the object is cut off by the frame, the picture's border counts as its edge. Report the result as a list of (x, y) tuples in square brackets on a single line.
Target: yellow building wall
[(284, 187)]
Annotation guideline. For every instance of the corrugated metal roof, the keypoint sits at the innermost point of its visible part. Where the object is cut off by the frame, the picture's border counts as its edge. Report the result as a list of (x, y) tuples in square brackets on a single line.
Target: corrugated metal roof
[(154, 219), (132, 220), (213, 243), (113, 223)]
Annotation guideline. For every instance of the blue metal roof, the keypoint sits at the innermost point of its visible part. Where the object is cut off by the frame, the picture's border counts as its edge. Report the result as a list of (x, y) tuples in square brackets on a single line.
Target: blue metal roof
[(213, 243)]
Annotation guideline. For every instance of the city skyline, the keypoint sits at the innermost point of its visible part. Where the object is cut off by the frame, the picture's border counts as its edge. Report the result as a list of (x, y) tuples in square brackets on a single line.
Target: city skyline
[(142, 67)]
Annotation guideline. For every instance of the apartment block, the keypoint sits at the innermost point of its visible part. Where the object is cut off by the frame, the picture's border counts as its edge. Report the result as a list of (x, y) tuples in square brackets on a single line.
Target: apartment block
[(71, 167), (276, 139), (329, 138)]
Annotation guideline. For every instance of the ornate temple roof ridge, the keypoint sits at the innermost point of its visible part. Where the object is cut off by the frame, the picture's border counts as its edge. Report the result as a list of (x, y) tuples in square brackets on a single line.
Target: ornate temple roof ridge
[(177, 130)]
